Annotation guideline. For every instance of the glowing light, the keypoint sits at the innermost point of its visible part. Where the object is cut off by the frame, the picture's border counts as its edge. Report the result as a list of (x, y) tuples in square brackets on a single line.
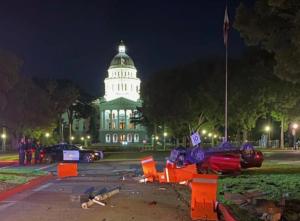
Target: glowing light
[(88, 137), (165, 134), (203, 131), (3, 136), (72, 138), (47, 135), (295, 126), (215, 136), (82, 138), (156, 138), (267, 128), (209, 134)]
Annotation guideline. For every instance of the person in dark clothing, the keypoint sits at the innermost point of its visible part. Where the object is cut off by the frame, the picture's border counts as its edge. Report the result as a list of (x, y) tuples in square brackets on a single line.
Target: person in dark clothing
[(21, 149), (28, 151), (37, 152)]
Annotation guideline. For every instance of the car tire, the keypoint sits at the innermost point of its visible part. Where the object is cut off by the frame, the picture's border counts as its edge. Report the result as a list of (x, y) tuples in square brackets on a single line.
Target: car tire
[(48, 159), (87, 158)]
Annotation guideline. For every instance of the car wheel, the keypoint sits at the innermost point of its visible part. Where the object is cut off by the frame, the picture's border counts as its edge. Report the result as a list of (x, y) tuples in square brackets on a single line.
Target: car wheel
[(48, 159), (87, 158)]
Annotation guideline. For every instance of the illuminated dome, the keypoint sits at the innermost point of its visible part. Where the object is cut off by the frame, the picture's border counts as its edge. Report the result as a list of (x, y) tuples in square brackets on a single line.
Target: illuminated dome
[(122, 60), (122, 80)]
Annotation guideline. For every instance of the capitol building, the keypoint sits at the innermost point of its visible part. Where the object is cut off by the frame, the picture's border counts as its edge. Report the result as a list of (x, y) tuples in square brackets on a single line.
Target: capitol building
[(112, 118)]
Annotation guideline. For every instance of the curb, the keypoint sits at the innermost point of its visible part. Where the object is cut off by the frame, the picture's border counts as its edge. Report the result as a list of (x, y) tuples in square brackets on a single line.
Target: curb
[(22, 187)]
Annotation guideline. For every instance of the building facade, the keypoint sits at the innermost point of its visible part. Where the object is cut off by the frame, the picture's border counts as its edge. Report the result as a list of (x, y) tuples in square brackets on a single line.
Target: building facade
[(120, 101)]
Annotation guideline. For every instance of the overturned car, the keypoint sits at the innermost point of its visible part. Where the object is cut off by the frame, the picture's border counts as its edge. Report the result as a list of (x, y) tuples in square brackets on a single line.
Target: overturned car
[(223, 159)]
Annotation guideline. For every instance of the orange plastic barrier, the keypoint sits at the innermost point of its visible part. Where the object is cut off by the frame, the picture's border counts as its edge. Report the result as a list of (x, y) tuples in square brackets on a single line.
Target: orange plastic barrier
[(178, 175), (149, 167), (67, 169), (204, 197), (185, 173)]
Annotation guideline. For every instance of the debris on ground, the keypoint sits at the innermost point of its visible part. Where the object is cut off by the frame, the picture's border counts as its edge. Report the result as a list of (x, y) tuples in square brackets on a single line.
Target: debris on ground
[(152, 203), (99, 198)]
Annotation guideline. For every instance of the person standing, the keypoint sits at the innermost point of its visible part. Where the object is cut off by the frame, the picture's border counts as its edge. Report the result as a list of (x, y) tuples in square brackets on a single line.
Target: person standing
[(37, 152), (21, 149), (28, 151)]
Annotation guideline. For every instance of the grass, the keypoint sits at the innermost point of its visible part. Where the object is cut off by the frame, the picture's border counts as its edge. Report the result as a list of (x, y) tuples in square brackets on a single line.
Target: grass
[(19, 175), (9, 157), (14, 179), (273, 178)]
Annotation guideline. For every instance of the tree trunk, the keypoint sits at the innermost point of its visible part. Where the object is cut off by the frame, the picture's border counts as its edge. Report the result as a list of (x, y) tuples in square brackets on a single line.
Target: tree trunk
[(245, 135), (282, 134), (155, 135)]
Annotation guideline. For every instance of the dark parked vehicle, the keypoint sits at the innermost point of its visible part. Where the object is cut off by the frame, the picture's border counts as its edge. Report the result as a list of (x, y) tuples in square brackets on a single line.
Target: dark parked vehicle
[(55, 153)]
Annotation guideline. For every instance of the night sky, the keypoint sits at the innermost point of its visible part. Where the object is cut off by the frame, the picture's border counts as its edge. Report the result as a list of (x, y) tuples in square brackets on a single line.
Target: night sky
[(77, 39)]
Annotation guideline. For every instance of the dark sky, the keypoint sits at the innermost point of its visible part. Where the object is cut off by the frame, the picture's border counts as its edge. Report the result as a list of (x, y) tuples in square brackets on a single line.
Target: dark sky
[(77, 39)]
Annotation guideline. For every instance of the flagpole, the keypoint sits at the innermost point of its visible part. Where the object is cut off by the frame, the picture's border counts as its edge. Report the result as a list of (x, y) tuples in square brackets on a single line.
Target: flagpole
[(226, 85)]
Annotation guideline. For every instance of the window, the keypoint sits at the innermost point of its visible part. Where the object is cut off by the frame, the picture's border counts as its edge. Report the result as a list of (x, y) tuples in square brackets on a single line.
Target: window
[(122, 125), (122, 137), (136, 138), (115, 138), (107, 138), (129, 138)]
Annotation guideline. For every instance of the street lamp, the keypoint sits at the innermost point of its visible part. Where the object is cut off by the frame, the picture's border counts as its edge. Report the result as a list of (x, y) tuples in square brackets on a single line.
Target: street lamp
[(203, 132), (47, 135), (72, 138), (165, 135), (3, 136), (294, 128), (268, 129)]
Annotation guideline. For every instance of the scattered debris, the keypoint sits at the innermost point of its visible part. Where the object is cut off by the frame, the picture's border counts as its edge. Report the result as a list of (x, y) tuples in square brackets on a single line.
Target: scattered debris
[(98, 198), (152, 203), (162, 188)]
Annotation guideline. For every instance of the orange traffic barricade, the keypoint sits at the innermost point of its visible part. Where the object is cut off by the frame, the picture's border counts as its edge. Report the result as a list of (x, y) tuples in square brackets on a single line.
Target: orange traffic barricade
[(185, 173), (67, 169), (204, 197), (149, 167)]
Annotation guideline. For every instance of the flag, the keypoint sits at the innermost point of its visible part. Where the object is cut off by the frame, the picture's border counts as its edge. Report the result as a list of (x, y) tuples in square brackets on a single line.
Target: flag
[(226, 27)]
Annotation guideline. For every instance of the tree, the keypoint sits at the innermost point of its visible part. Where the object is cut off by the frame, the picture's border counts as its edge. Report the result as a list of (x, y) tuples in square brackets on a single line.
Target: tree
[(28, 108), (10, 66), (275, 26)]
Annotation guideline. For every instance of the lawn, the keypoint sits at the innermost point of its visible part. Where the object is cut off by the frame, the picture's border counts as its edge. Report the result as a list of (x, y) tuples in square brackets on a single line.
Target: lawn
[(274, 179), (10, 177)]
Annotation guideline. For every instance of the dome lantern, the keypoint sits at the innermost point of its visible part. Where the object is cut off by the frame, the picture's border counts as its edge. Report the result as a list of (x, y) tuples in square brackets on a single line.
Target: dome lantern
[(122, 48)]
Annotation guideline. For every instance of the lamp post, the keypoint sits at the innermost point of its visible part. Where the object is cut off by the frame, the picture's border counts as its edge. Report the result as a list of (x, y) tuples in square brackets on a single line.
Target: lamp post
[(47, 135), (211, 136), (83, 140), (165, 135), (294, 128), (88, 137), (268, 129), (3, 136)]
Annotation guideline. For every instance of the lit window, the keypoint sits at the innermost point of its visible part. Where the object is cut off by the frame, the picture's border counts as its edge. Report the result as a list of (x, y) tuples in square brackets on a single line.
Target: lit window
[(129, 138), (136, 138), (107, 138), (115, 138)]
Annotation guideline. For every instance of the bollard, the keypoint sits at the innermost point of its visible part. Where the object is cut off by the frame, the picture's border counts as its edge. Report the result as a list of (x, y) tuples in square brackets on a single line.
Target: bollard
[(67, 170), (204, 197), (149, 167)]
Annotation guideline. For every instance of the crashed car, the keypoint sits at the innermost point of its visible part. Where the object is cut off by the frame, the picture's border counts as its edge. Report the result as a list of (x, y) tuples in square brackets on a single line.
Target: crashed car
[(55, 153), (223, 159)]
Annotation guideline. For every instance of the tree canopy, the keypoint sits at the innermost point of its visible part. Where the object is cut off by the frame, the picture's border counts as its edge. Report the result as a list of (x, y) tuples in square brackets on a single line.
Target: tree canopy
[(275, 26)]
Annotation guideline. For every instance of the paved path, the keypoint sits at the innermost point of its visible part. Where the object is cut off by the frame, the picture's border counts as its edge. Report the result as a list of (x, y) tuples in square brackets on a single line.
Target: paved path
[(55, 200)]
